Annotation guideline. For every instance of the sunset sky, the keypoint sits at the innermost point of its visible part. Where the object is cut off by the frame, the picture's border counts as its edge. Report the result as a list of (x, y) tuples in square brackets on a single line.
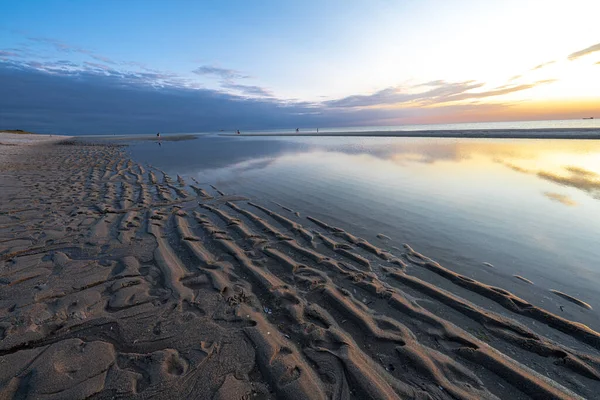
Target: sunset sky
[(131, 66)]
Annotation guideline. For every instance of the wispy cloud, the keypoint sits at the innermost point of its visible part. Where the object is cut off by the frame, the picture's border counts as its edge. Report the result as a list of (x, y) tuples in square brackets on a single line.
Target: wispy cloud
[(584, 52), (543, 65), (8, 54), (57, 96), (442, 92), (248, 89), (223, 73), (98, 66), (69, 48), (102, 58), (581, 172), (59, 45)]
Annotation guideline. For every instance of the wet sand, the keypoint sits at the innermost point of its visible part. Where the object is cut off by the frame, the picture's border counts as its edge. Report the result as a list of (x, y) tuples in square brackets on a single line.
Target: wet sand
[(118, 280)]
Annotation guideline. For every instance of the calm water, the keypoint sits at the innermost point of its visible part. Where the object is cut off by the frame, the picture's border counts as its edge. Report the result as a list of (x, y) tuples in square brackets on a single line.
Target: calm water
[(529, 207), (501, 126)]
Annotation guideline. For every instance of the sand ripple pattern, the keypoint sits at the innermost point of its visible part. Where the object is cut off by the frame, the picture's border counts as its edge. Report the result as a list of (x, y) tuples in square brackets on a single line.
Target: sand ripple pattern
[(117, 280)]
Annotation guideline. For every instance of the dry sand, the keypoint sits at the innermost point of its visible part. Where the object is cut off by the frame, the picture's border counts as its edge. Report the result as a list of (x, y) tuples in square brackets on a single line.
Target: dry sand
[(117, 281)]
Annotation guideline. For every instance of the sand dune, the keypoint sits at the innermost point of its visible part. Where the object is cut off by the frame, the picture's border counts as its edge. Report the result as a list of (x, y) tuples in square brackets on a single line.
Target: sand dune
[(115, 283)]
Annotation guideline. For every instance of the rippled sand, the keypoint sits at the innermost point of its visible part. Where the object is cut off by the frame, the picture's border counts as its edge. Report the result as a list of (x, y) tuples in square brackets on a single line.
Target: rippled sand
[(117, 279)]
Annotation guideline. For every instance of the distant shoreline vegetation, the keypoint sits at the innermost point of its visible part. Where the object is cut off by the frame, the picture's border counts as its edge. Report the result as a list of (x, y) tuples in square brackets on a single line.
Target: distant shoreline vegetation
[(17, 131)]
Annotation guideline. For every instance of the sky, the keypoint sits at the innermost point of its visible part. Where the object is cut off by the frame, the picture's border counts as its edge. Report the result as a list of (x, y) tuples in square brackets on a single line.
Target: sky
[(188, 66)]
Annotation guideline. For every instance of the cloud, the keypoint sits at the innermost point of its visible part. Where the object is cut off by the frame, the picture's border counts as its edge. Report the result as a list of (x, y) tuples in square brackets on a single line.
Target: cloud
[(98, 66), (47, 99), (543, 65), (442, 92), (56, 97), (223, 73), (496, 92), (397, 95), (581, 172), (102, 58), (8, 54), (69, 48), (58, 45), (560, 198), (584, 52), (248, 90)]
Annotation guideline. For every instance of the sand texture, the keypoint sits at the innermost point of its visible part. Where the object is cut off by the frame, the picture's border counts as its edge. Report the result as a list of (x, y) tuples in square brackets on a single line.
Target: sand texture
[(120, 281)]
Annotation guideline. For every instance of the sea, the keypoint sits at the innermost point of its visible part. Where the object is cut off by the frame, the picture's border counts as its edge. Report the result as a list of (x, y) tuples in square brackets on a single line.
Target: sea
[(488, 208)]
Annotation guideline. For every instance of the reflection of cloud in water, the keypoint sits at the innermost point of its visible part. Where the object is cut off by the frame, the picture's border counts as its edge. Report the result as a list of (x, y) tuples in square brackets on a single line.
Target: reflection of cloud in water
[(429, 151), (252, 165), (578, 178), (234, 171), (584, 182), (560, 198), (511, 166), (423, 152)]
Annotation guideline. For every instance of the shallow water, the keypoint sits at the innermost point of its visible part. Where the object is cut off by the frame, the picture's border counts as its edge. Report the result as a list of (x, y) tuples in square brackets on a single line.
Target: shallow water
[(528, 207)]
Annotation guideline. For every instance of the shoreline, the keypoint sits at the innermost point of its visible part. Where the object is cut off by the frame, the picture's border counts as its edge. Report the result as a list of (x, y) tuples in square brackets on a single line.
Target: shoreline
[(7, 138), (558, 133), (174, 287)]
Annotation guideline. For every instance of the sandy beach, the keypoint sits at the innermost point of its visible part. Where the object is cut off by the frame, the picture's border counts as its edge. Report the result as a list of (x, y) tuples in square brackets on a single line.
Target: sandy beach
[(118, 280)]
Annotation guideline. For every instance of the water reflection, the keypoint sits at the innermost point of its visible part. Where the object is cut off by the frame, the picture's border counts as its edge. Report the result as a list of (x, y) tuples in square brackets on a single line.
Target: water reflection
[(561, 198), (529, 207), (568, 163)]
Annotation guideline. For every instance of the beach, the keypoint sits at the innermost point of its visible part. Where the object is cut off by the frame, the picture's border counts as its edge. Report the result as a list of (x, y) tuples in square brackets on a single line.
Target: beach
[(128, 271)]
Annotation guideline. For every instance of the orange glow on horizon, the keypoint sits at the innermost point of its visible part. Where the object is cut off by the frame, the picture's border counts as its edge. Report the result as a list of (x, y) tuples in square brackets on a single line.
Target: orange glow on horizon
[(518, 111)]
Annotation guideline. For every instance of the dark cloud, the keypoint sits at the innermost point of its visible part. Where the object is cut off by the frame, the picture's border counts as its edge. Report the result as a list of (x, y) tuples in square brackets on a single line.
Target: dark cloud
[(248, 90), (586, 51), (50, 98), (222, 73)]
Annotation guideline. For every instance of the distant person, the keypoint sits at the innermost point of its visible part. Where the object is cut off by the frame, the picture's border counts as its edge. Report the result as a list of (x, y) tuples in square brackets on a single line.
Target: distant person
[(297, 130), (158, 134), (238, 131), (317, 130)]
